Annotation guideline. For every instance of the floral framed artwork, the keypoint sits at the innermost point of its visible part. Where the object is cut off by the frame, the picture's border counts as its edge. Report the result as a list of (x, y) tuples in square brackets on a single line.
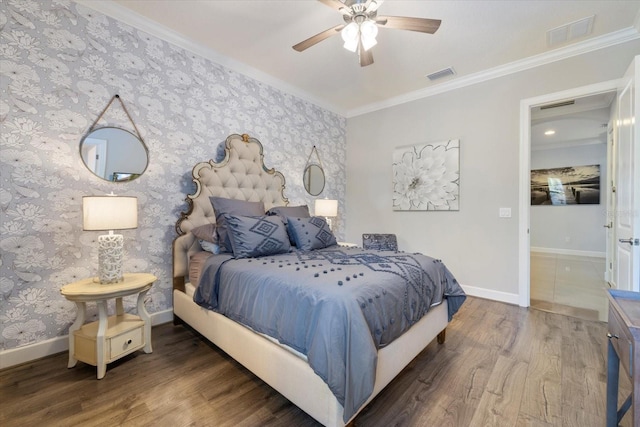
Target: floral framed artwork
[(569, 185), (426, 177)]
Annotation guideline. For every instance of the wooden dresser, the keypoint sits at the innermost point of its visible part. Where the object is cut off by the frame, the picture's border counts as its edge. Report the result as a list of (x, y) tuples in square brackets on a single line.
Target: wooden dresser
[(624, 349)]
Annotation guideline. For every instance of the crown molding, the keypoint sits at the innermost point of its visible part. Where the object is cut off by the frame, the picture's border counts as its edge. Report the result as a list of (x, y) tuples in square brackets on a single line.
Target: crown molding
[(130, 17), (611, 39), (136, 20)]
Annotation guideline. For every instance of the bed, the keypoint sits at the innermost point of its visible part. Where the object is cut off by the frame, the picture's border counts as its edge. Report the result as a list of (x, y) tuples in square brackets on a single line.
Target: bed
[(290, 359)]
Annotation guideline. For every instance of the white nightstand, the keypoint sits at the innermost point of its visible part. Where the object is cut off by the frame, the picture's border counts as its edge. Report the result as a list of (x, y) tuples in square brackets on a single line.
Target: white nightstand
[(111, 337)]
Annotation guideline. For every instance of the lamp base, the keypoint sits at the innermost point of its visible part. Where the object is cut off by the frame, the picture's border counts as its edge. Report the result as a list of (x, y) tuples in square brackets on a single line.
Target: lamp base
[(329, 223), (110, 258)]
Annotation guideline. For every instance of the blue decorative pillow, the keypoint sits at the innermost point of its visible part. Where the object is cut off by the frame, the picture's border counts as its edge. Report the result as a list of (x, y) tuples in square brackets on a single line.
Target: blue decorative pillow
[(287, 211), (256, 236), (222, 206), (310, 233)]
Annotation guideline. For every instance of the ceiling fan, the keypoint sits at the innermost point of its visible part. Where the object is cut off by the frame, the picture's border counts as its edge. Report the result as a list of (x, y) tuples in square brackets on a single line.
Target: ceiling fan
[(361, 26)]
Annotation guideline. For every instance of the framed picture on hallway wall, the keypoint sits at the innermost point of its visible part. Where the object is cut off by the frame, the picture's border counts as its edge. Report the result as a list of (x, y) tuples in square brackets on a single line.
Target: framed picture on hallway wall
[(426, 177), (570, 185)]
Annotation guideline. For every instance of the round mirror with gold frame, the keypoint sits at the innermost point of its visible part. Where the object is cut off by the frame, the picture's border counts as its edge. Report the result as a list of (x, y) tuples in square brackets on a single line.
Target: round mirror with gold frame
[(114, 154), (313, 175), (313, 179)]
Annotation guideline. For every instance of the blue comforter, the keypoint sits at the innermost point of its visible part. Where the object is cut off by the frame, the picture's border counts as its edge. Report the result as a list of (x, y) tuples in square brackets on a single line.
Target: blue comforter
[(336, 305)]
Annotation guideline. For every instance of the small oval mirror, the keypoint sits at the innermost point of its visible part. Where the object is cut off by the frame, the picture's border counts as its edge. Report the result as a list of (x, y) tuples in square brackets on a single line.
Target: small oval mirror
[(313, 179), (114, 154)]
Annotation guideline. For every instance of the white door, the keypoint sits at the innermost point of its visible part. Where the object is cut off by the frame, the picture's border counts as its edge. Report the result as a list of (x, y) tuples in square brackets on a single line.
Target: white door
[(627, 214), (611, 201)]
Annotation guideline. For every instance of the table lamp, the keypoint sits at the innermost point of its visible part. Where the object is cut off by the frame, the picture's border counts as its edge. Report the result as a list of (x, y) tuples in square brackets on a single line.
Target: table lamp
[(326, 208), (109, 212)]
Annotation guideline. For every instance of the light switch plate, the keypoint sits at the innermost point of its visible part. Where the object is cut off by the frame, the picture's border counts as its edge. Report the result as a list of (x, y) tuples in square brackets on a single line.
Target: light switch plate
[(505, 213)]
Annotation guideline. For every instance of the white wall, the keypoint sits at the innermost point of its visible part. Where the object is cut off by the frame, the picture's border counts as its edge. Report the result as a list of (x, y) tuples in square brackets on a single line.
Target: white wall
[(571, 227), (480, 248)]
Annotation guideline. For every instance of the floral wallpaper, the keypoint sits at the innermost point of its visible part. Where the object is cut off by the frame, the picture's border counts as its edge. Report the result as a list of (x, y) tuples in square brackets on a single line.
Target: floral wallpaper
[(60, 64)]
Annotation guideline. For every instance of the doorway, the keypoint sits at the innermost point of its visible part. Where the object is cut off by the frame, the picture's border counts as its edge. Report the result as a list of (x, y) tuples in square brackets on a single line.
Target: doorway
[(527, 107), (568, 205)]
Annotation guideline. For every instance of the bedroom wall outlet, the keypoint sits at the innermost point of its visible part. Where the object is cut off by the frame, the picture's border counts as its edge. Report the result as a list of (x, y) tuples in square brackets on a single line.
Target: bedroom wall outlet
[(505, 213)]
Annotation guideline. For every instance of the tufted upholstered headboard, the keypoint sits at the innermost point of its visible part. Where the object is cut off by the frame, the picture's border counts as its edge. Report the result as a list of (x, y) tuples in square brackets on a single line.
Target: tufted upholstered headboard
[(241, 175)]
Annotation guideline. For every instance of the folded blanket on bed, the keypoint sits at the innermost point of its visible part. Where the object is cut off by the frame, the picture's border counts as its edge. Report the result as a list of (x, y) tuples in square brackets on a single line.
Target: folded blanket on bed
[(336, 305)]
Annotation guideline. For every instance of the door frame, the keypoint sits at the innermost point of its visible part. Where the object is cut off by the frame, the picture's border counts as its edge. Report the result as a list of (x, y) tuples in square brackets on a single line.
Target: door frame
[(524, 202)]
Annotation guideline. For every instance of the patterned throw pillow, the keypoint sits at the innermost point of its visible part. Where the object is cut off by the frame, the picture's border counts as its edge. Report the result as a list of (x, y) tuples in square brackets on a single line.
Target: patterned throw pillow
[(257, 236), (380, 242), (310, 233), (222, 206), (287, 211)]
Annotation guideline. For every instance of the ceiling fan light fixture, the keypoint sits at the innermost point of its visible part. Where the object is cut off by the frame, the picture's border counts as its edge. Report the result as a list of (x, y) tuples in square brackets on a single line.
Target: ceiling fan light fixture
[(360, 27), (351, 45), (369, 29), (350, 32), (350, 35), (368, 33), (368, 42)]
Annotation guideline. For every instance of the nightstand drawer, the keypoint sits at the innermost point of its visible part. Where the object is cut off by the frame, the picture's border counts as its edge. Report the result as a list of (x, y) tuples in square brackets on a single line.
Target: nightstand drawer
[(126, 342), (623, 344)]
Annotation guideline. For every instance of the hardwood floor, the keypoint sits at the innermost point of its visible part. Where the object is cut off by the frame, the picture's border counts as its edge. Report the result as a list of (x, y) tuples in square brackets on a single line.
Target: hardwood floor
[(501, 365)]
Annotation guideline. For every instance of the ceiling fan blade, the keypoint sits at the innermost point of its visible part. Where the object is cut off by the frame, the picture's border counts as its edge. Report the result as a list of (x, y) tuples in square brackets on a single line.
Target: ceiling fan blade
[(373, 5), (422, 25), (337, 5), (366, 57), (305, 44)]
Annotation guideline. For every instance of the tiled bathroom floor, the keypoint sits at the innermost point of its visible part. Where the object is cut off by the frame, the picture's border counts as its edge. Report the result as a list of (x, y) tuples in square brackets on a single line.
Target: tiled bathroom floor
[(569, 284)]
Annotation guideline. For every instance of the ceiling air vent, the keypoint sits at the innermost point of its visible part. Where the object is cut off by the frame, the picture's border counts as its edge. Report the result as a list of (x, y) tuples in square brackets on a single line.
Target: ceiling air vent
[(441, 74), (570, 31), (558, 104)]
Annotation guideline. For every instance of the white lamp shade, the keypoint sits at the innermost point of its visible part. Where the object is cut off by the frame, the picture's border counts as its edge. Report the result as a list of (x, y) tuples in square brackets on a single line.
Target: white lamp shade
[(326, 207), (109, 213)]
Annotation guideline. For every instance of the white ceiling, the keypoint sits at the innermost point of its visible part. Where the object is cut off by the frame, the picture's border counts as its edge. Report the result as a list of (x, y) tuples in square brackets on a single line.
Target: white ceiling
[(582, 123), (479, 39)]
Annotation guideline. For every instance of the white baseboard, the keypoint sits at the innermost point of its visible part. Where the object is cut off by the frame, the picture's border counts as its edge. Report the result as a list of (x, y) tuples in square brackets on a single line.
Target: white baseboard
[(593, 254), (491, 294), (27, 353)]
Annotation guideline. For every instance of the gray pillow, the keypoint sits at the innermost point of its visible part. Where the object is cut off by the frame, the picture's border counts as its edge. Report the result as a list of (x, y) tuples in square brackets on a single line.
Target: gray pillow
[(285, 211), (311, 233), (257, 236), (206, 232), (207, 237), (222, 206)]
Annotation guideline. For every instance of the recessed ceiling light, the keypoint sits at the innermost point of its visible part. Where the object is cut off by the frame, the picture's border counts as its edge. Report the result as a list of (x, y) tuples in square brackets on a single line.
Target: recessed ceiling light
[(550, 132)]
